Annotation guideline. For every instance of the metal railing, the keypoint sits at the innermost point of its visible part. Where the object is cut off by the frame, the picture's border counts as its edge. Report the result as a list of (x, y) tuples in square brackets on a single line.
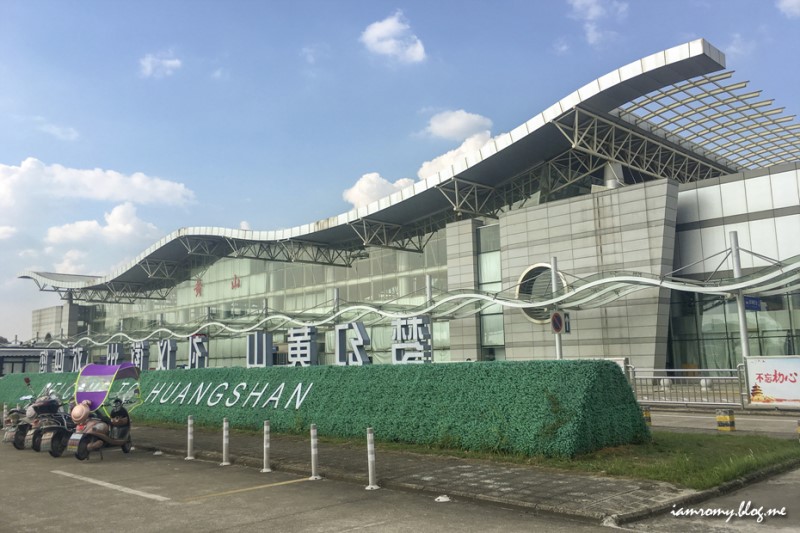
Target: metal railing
[(723, 387)]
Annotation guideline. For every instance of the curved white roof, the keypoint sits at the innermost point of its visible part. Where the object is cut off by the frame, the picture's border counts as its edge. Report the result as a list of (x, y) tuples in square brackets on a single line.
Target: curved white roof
[(659, 96)]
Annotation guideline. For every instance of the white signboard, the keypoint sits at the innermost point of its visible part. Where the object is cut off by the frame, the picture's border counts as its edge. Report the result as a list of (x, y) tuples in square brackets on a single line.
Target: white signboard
[(774, 381)]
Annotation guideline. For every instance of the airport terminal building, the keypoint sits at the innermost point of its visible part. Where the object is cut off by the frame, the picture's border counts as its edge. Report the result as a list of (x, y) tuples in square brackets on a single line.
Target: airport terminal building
[(638, 184)]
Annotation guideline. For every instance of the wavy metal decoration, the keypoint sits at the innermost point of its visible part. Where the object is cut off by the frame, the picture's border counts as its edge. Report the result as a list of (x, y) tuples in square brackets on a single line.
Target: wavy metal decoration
[(586, 293)]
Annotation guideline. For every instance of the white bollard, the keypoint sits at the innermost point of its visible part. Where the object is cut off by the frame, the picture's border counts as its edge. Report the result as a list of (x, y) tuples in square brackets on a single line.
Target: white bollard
[(371, 460), (225, 439), (5, 415), (266, 447), (189, 439), (314, 475)]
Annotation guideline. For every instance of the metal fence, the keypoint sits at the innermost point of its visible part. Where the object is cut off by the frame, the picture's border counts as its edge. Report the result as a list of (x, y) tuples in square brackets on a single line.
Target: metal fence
[(723, 387)]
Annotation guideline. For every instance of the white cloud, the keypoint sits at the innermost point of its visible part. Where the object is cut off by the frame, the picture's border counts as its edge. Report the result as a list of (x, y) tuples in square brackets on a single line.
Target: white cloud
[(371, 187), (63, 133), (34, 178), (457, 125), (592, 13), (245, 225), (790, 8), (6, 232), (561, 46), (472, 144), (739, 46), (159, 65), (71, 263), (121, 223), (392, 37), (220, 74), (311, 54)]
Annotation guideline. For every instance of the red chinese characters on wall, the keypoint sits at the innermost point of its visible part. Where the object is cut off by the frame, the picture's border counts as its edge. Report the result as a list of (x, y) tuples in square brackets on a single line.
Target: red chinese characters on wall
[(198, 287), (776, 376), (236, 282)]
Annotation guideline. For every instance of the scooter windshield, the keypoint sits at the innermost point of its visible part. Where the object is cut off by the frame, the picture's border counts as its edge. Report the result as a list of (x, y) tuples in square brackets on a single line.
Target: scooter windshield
[(97, 383)]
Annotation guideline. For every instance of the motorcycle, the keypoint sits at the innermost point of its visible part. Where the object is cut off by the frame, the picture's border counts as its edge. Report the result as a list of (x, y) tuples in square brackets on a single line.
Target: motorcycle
[(55, 430), (11, 424), (96, 427), (23, 425)]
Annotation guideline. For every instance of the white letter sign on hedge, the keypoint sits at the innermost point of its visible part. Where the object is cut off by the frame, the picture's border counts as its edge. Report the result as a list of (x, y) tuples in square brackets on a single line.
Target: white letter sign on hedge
[(223, 395), (236, 395), (256, 395), (183, 393), (218, 395)]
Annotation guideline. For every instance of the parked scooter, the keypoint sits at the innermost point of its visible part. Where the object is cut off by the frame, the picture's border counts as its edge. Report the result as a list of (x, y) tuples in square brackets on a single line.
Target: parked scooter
[(95, 431), (12, 422), (23, 424), (96, 427), (55, 430)]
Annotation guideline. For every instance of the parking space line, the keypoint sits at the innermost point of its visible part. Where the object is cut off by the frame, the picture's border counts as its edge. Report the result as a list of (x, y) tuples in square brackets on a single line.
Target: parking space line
[(236, 491), (112, 486)]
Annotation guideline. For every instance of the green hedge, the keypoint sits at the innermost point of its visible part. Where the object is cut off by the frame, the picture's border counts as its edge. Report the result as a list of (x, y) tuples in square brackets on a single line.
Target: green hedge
[(553, 408)]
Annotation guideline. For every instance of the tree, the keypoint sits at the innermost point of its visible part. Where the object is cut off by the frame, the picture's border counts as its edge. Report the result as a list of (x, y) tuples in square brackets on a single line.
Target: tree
[(3, 340)]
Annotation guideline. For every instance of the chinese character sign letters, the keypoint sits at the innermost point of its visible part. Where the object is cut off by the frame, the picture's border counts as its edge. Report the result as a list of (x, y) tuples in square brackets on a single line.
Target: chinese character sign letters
[(166, 354), (302, 346), (79, 358), (45, 364), (774, 380), (358, 355), (198, 352), (58, 361), (140, 354), (113, 353), (259, 350), (411, 340)]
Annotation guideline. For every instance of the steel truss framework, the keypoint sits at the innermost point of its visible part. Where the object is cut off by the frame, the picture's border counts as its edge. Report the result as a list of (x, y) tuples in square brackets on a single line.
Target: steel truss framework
[(693, 130), (726, 120), (111, 292), (594, 142), (601, 137)]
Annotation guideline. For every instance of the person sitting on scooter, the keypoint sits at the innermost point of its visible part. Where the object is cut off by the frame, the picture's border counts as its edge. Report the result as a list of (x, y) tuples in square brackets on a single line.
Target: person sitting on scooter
[(120, 420)]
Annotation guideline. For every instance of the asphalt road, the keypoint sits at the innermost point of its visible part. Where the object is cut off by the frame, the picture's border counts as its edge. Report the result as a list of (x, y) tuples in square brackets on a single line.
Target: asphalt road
[(746, 505), (144, 492), (780, 425)]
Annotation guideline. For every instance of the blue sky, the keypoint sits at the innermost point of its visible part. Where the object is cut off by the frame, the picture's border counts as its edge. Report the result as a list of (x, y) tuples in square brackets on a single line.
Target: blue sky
[(121, 122)]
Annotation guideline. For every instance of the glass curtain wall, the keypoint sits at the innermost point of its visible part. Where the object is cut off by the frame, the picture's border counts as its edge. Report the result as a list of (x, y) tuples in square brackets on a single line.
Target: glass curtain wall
[(241, 293), (490, 280), (705, 329)]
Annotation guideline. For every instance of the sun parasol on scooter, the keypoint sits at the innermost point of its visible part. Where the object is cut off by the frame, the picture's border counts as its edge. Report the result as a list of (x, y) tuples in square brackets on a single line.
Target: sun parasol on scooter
[(98, 383)]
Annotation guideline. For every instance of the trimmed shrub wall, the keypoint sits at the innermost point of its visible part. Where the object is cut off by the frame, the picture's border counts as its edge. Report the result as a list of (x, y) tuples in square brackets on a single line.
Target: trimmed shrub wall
[(552, 408)]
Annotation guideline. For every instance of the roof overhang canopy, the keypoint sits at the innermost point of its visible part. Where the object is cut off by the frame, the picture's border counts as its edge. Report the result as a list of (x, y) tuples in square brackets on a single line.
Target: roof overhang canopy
[(689, 123)]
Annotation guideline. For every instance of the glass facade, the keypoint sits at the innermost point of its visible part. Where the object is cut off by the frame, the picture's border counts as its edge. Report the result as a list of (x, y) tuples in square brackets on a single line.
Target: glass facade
[(492, 337), (704, 330), (240, 293)]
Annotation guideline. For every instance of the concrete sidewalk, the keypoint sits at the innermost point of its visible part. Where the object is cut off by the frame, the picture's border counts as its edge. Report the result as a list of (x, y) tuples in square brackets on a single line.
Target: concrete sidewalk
[(595, 498)]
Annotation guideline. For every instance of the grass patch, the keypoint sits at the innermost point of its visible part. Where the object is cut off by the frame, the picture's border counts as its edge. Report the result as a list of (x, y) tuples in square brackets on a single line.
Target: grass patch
[(695, 460)]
